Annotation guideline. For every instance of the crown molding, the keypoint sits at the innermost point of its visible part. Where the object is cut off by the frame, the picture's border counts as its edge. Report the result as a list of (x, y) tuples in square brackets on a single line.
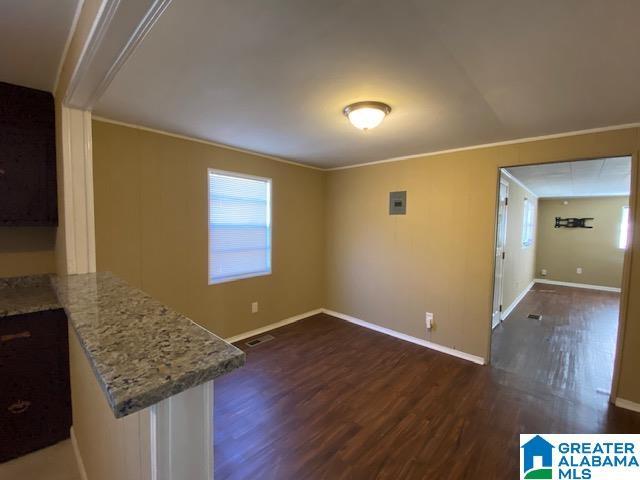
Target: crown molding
[(490, 145), (205, 142), (390, 160)]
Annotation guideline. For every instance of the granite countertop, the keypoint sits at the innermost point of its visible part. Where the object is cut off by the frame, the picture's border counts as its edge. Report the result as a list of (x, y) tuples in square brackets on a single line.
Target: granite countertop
[(29, 294), (140, 350)]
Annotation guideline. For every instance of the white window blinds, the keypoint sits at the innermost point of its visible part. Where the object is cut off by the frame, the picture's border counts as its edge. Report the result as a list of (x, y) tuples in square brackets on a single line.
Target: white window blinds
[(239, 226)]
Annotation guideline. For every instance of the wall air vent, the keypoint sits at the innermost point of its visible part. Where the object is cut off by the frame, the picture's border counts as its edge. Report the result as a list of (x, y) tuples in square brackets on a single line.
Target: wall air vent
[(254, 342)]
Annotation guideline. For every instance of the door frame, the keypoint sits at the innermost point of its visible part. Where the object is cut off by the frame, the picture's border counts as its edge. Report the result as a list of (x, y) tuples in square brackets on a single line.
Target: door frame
[(506, 220), (626, 269)]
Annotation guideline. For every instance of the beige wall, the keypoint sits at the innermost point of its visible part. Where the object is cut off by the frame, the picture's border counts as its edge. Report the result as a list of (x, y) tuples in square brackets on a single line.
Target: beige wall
[(26, 251), (562, 250), (151, 228), (390, 270), (519, 263)]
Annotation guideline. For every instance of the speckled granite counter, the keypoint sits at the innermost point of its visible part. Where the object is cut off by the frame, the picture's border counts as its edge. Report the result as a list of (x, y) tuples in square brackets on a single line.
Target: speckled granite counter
[(141, 351), (30, 294)]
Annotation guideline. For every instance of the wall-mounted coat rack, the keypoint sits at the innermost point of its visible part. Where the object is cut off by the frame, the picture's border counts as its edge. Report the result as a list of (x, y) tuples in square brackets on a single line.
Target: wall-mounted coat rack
[(572, 222)]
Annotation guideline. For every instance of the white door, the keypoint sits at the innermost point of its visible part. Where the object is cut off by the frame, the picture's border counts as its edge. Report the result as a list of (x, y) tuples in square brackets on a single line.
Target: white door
[(501, 239)]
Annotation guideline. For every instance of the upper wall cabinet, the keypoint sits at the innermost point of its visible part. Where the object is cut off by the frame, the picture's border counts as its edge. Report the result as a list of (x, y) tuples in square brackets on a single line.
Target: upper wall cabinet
[(27, 157)]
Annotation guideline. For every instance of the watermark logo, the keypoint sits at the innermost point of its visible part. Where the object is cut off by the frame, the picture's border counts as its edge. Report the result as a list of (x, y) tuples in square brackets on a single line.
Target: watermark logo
[(537, 448), (579, 457)]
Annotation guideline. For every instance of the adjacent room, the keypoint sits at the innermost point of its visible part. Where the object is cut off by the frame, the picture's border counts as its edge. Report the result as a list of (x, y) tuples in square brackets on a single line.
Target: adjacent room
[(562, 232), (316, 240)]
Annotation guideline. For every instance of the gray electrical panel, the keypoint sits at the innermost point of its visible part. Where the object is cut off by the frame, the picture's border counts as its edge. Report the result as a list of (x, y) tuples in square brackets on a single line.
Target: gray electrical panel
[(397, 203)]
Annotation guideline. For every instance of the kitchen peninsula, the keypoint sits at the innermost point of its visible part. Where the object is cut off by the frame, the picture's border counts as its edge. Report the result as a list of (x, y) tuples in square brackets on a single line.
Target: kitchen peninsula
[(141, 381)]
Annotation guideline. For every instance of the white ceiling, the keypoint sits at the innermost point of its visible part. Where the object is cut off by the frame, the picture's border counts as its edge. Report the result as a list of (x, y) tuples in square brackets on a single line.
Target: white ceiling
[(586, 178), (274, 76), (33, 34)]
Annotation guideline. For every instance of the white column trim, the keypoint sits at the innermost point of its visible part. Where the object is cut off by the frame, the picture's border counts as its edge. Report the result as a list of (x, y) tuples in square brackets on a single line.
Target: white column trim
[(78, 221), (181, 431)]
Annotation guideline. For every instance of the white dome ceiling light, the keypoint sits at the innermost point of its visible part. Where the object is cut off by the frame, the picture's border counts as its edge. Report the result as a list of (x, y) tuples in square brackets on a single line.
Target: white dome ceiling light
[(366, 115)]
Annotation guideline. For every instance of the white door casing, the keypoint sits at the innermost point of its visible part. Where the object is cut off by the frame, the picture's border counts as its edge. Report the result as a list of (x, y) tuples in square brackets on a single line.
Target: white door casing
[(501, 239)]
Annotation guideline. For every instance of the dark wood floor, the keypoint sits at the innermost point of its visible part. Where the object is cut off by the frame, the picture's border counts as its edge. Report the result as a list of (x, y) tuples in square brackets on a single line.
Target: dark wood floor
[(330, 400), (571, 348)]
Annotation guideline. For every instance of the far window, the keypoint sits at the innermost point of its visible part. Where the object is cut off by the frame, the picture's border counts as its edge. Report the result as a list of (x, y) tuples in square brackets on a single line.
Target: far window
[(239, 226), (528, 223), (624, 228)]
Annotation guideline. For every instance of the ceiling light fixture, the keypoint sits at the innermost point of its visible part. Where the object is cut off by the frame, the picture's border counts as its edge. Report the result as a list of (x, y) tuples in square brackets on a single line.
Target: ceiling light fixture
[(366, 115)]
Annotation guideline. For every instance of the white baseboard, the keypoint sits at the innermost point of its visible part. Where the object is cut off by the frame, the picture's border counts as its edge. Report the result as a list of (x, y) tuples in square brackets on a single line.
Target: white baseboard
[(408, 338), (76, 452), (576, 285), (515, 303), (362, 323), (273, 326), (627, 404)]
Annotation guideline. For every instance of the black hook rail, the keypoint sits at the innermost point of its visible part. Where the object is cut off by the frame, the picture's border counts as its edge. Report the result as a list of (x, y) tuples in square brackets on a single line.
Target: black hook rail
[(572, 222)]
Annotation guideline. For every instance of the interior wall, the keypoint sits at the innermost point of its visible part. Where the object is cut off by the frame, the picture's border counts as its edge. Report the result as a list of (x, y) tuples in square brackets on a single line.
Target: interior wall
[(562, 250), (151, 228), (520, 262), (27, 251), (390, 270)]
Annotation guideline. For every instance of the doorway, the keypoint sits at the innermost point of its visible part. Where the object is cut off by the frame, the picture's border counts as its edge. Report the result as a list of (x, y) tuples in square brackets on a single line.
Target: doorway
[(558, 275)]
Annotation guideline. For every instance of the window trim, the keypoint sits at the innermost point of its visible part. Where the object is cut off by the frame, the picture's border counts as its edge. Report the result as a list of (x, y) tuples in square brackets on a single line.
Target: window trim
[(625, 214), (529, 243), (247, 176)]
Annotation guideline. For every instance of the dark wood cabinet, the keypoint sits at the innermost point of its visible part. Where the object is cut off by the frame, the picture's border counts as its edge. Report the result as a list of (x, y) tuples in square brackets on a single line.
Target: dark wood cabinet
[(35, 399), (28, 193)]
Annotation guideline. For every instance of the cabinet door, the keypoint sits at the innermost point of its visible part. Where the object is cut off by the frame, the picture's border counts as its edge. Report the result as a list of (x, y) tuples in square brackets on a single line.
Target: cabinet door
[(27, 157), (35, 403)]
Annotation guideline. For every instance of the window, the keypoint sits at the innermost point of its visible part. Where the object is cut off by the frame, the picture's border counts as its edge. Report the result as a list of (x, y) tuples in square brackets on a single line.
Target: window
[(528, 223), (624, 228), (239, 226)]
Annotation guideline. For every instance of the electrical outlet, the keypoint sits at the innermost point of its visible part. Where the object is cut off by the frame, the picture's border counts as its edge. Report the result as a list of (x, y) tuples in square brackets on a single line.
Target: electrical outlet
[(428, 318), (254, 307), (543, 272), (579, 270)]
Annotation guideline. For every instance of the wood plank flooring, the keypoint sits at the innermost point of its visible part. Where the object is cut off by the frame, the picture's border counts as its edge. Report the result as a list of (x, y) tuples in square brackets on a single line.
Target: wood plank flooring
[(571, 348), (330, 400)]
